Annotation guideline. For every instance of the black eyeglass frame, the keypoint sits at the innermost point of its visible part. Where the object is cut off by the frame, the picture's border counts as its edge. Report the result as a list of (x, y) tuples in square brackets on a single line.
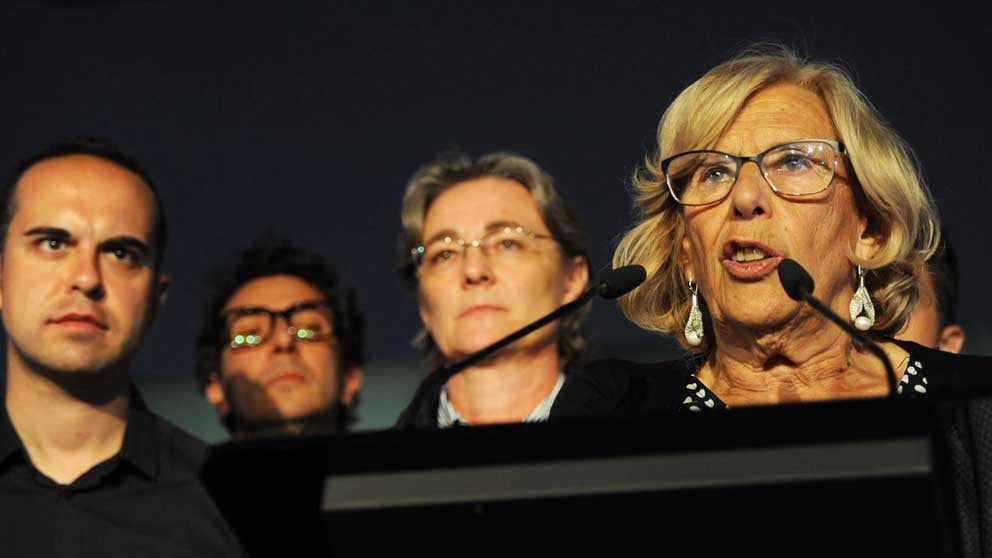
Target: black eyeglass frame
[(838, 147), (274, 315)]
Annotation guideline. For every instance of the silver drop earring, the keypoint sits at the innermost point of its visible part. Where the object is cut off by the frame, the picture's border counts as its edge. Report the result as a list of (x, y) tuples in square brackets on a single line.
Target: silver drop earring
[(861, 302), (694, 327)]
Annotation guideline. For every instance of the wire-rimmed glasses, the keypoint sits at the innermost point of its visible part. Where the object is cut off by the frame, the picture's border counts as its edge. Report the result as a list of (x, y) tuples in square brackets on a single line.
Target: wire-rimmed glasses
[(503, 244)]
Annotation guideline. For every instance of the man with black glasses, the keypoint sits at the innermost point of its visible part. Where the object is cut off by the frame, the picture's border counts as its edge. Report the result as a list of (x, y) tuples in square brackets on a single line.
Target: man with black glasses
[(85, 468), (280, 349)]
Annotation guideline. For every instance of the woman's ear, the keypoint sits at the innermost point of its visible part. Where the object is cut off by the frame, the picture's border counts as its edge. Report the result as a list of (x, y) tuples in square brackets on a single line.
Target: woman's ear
[(685, 258), (576, 279), (869, 240)]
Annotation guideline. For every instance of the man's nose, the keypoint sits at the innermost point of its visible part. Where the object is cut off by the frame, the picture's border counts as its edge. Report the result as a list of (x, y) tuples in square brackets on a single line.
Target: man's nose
[(283, 338), (87, 277)]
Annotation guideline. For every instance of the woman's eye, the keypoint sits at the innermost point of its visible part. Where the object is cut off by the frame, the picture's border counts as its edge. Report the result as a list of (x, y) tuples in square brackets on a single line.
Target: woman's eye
[(715, 174), (794, 162), (443, 256)]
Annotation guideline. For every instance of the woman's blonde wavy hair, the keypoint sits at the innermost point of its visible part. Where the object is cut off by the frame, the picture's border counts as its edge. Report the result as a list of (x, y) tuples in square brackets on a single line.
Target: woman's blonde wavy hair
[(889, 189)]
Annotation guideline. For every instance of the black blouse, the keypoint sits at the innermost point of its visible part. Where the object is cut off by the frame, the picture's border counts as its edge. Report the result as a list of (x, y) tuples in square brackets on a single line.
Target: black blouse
[(698, 397)]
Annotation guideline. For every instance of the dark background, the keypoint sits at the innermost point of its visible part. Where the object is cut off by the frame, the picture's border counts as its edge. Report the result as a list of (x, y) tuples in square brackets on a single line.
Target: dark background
[(305, 119)]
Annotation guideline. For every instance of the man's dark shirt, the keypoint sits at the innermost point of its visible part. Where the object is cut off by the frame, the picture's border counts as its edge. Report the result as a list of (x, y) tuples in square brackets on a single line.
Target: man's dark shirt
[(145, 502)]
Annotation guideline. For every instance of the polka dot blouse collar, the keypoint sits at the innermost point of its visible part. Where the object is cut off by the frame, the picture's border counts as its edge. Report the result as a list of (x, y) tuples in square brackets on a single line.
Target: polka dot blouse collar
[(696, 397)]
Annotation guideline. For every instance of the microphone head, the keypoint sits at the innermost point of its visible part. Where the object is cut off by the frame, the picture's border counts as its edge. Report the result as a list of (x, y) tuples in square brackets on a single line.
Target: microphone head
[(620, 281), (795, 280)]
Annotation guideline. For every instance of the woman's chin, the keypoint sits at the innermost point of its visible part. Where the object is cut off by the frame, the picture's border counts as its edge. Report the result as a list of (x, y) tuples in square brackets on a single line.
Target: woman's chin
[(756, 318), (464, 348)]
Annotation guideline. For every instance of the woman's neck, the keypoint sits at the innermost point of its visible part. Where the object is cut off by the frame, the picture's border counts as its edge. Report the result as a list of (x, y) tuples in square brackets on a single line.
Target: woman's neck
[(505, 389), (812, 361)]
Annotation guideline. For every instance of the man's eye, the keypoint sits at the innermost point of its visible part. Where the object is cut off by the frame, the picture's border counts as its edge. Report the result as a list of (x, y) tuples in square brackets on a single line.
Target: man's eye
[(52, 244), (305, 333), (125, 255), (245, 339)]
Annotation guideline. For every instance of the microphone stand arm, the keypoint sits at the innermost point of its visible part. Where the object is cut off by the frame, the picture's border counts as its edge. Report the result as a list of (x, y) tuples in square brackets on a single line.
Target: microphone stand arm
[(445, 373)]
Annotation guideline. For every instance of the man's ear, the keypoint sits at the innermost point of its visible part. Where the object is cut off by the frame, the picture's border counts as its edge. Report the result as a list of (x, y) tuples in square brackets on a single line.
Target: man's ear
[(214, 392), (162, 289), (576, 280), (1, 282), (951, 339), (351, 383)]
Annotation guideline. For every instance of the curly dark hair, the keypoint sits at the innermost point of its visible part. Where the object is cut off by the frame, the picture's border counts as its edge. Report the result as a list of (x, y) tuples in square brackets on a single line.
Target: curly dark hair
[(268, 257)]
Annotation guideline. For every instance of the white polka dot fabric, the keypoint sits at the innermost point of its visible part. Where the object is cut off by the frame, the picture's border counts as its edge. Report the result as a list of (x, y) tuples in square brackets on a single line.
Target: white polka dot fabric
[(697, 397), (914, 381)]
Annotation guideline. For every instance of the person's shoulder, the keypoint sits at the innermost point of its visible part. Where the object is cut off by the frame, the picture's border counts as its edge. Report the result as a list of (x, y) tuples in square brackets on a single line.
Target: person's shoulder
[(182, 457), (179, 460), (421, 412), (174, 447), (951, 374), (616, 387), (179, 450), (926, 354)]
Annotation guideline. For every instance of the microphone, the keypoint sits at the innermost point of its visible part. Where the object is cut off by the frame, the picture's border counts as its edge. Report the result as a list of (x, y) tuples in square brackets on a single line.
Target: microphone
[(609, 285), (620, 281), (799, 286), (795, 280)]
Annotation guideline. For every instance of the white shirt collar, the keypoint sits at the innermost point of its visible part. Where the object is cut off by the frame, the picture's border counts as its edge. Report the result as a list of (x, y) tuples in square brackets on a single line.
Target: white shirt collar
[(447, 415)]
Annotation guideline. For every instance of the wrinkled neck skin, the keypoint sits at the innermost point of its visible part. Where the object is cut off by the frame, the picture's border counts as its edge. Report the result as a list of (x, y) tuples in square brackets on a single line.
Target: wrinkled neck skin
[(68, 422), (505, 387), (807, 358)]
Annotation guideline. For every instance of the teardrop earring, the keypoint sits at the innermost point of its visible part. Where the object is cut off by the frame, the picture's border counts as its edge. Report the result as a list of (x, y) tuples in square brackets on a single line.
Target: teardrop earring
[(861, 302), (694, 327)]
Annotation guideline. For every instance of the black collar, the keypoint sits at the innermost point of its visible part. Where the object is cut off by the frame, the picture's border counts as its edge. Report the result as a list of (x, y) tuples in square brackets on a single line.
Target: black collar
[(10, 444), (140, 448), (141, 437)]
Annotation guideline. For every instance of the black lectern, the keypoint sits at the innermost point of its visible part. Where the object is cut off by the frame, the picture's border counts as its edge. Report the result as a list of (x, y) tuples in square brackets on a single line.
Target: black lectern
[(847, 478)]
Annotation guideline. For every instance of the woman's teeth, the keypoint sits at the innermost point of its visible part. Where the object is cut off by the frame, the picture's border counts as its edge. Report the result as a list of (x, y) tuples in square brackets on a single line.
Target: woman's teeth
[(749, 254)]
